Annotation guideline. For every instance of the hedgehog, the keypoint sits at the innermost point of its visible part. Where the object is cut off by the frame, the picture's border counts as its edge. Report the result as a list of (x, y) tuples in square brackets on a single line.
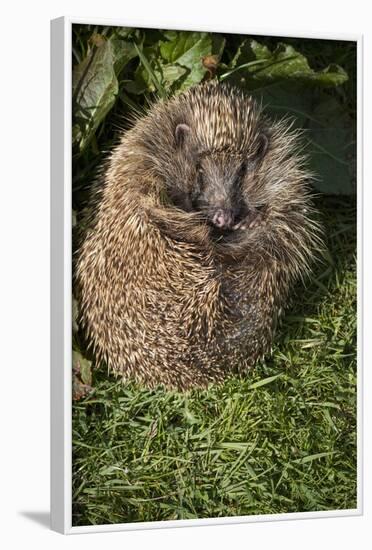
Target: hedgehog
[(201, 227)]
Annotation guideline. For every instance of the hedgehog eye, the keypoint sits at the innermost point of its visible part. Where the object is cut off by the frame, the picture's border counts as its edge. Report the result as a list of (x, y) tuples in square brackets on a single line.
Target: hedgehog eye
[(242, 171)]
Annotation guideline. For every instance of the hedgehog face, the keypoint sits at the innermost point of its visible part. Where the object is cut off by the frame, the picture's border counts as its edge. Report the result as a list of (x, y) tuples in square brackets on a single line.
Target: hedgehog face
[(217, 191), (215, 183)]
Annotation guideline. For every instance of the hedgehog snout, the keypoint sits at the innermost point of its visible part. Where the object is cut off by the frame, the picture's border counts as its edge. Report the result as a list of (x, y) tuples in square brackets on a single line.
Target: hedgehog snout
[(223, 218)]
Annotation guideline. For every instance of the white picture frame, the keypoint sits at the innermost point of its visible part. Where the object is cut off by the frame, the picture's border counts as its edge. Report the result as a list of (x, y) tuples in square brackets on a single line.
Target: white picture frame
[(61, 287)]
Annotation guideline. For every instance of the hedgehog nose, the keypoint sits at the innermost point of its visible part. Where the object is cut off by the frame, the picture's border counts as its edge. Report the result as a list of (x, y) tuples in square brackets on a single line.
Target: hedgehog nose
[(223, 219)]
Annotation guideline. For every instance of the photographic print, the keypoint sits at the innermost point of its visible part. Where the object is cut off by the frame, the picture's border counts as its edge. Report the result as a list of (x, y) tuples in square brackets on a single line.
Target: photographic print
[(213, 275)]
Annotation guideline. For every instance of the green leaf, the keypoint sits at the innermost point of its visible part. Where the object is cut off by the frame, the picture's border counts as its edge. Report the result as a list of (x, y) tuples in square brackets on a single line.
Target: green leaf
[(138, 86), (124, 32), (312, 457), (151, 74), (94, 89), (255, 64), (244, 54), (154, 76), (172, 73), (82, 367), (282, 100), (284, 62), (187, 49), (333, 75), (260, 51), (123, 52), (264, 382), (81, 375), (170, 35), (179, 46), (175, 64)]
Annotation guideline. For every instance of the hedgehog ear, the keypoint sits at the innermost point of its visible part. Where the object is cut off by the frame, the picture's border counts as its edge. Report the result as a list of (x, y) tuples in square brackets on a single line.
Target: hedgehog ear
[(181, 132), (260, 151)]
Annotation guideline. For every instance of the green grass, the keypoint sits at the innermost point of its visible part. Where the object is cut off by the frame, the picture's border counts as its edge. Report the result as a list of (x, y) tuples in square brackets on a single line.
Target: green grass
[(283, 439)]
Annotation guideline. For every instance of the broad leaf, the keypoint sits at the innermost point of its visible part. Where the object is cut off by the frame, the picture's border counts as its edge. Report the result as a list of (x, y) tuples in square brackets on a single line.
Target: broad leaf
[(82, 367), (281, 100), (256, 64), (94, 89), (283, 81), (81, 376), (122, 51), (174, 64), (187, 49)]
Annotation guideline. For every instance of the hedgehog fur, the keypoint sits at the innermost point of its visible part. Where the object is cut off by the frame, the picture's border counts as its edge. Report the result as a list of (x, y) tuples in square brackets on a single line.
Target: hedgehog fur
[(201, 227)]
